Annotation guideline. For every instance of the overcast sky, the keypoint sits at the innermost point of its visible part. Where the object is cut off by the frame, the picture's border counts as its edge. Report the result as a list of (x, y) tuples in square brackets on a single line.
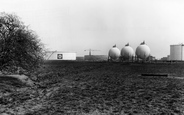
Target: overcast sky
[(77, 25)]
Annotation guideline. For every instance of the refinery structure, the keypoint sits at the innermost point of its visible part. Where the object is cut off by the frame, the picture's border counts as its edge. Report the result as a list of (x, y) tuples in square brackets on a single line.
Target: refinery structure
[(92, 57), (114, 53), (142, 53), (177, 52), (127, 53)]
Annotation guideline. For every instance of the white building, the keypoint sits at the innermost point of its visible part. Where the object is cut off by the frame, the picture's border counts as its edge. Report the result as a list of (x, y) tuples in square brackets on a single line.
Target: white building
[(177, 52), (59, 55)]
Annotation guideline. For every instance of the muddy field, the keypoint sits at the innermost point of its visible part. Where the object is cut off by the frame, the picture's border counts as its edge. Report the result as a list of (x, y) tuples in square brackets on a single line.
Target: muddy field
[(96, 88)]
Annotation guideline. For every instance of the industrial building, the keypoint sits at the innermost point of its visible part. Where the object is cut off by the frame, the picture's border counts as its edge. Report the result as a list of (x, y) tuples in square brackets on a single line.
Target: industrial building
[(177, 52), (59, 55), (95, 57), (165, 58), (80, 58)]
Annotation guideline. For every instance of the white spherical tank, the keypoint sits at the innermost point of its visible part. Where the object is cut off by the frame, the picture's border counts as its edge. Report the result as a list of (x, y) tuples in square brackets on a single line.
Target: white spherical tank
[(143, 51), (127, 52), (114, 53)]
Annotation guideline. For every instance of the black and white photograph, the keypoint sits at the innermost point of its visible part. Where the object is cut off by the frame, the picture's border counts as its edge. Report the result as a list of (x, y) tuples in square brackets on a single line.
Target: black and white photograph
[(91, 57)]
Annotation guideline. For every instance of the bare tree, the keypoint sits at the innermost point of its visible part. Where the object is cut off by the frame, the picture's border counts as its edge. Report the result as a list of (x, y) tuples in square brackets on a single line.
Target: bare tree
[(19, 46)]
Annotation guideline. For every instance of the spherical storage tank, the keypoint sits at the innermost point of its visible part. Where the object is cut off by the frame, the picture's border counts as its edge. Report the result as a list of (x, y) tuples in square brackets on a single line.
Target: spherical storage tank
[(127, 52), (114, 53), (143, 51)]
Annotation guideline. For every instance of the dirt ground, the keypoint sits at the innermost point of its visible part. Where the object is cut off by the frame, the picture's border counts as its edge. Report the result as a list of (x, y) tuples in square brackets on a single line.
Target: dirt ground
[(96, 88)]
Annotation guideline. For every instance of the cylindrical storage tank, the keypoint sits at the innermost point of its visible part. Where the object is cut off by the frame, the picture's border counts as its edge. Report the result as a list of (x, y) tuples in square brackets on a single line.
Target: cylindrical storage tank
[(127, 52), (114, 53), (177, 52), (143, 51)]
